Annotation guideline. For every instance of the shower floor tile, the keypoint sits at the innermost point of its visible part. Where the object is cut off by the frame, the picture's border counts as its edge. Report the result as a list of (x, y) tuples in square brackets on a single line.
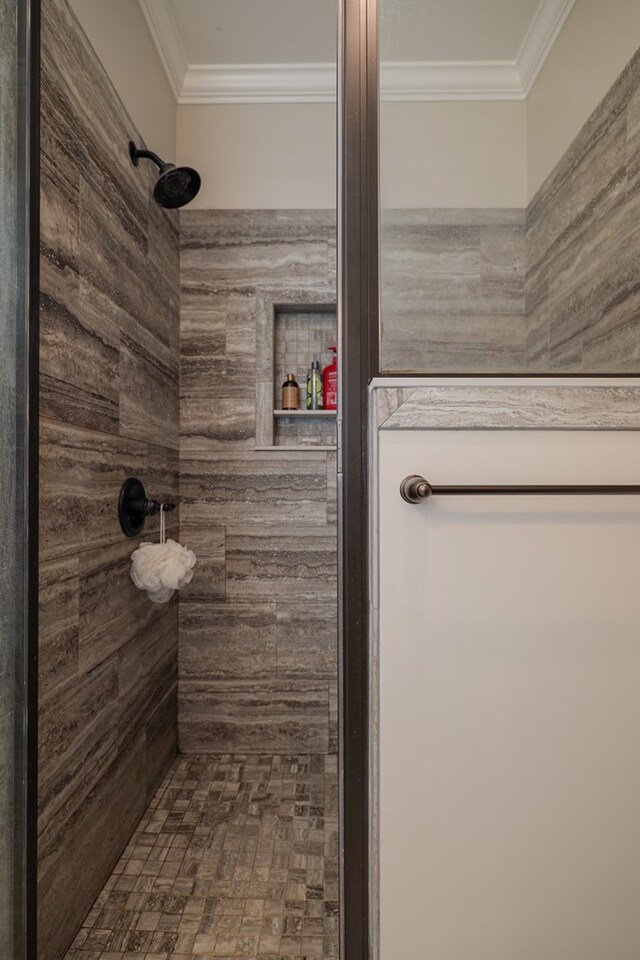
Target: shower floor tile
[(236, 857)]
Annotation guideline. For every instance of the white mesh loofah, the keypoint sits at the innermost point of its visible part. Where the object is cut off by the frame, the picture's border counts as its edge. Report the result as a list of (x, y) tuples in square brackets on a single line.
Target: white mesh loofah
[(162, 568)]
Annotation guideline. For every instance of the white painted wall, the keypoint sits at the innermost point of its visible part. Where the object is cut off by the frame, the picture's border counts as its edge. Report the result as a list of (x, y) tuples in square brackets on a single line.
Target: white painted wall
[(595, 44), (453, 154), (284, 155), (119, 34), (261, 156)]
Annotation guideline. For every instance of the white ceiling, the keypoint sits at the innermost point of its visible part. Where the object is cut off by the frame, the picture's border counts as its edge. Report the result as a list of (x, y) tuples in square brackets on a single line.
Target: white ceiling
[(304, 31), (222, 51), (437, 30), (257, 31)]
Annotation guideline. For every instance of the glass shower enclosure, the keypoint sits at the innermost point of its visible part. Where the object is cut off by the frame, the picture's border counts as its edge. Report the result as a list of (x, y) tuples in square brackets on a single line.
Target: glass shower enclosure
[(17, 545)]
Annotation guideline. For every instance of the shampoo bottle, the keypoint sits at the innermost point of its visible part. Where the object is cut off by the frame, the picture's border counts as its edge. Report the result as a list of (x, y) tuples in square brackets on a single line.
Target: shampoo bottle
[(314, 387), (290, 393), (330, 382)]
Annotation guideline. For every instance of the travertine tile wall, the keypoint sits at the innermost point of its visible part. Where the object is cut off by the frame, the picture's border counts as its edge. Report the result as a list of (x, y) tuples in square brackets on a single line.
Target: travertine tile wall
[(258, 623), (453, 290), (583, 238), (109, 406)]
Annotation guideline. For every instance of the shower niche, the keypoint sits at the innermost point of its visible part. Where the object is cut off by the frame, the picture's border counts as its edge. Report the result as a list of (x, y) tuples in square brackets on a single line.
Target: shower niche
[(289, 337)]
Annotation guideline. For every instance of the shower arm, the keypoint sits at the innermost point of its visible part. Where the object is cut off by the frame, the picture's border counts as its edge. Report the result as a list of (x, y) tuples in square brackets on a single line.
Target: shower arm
[(137, 155)]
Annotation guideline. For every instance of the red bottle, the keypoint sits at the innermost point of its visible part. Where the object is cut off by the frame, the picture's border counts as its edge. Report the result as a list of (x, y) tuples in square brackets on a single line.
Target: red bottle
[(330, 382)]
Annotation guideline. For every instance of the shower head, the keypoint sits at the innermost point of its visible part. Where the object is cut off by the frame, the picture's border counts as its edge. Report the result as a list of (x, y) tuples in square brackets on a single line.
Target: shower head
[(176, 186)]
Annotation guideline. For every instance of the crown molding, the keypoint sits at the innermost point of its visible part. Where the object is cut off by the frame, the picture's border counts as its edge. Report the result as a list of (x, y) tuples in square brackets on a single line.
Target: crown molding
[(168, 42), (542, 34), (316, 82), (259, 83), (466, 80)]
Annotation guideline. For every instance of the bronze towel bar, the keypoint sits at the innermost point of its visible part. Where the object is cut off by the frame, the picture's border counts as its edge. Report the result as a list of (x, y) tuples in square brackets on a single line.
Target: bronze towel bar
[(415, 489)]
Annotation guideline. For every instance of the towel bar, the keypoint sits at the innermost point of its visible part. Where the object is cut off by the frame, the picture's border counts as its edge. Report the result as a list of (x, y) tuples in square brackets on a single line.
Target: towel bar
[(415, 489)]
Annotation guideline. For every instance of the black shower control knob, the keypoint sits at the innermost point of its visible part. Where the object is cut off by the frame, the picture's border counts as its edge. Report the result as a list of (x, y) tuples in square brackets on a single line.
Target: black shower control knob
[(134, 507)]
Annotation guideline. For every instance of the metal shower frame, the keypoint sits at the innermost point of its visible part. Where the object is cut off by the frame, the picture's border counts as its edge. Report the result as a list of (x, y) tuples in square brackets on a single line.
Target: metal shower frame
[(29, 24), (359, 362)]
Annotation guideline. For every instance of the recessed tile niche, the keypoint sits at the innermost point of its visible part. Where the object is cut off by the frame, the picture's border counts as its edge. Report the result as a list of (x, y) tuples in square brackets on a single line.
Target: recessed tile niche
[(290, 336)]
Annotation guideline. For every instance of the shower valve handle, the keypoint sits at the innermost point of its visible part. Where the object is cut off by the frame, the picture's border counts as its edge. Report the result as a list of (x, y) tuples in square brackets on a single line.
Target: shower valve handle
[(134, 507), (149, 508)]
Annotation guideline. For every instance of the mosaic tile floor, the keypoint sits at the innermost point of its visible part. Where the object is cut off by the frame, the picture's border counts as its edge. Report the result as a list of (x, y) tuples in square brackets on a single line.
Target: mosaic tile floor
[(236, 857)]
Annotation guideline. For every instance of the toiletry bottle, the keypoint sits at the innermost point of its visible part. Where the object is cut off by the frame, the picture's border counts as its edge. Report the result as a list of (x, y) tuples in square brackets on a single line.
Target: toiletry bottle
[(314, 387), (330, 382), (290, 393)]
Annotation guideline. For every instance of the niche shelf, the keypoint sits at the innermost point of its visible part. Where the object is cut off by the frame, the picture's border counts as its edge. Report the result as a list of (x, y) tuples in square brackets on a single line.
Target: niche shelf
[(289, 336), (324, 414)]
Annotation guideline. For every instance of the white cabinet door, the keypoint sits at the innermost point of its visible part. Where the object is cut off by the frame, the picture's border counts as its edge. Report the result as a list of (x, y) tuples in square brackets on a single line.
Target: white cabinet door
[(509, 698)]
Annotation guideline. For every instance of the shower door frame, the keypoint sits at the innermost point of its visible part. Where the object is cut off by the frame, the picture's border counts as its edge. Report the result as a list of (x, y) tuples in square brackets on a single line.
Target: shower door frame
[(359, 362), (359, 325), (30, 30)]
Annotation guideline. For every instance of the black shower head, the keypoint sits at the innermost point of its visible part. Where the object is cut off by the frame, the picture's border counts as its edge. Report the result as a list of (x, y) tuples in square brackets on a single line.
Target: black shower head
[(176, 186)]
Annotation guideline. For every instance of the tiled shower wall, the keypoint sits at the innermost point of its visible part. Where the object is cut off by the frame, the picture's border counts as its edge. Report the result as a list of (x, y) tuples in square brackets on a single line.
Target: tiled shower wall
[(258, 622), (553, 288), (453, 288), (109, 409), (583, 238)]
